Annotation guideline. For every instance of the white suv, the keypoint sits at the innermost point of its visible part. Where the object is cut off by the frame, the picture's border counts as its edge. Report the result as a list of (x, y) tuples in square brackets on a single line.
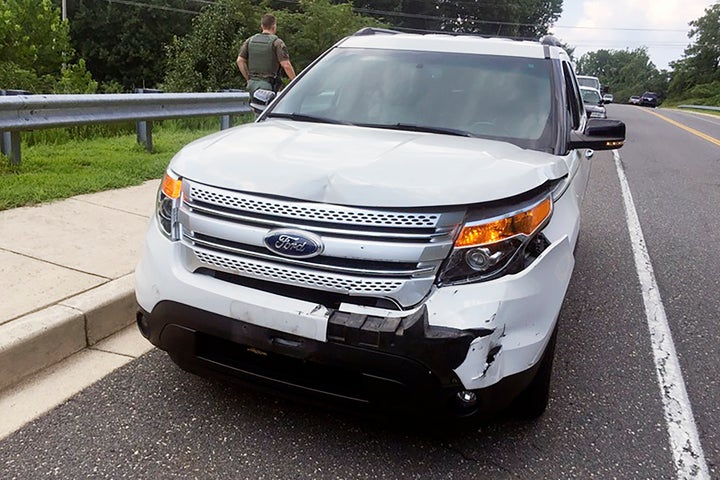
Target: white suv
[(396, 229)]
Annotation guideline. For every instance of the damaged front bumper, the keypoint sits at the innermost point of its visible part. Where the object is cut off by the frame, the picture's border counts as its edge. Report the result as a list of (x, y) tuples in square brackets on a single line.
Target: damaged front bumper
[(468, 349), (393, 364)]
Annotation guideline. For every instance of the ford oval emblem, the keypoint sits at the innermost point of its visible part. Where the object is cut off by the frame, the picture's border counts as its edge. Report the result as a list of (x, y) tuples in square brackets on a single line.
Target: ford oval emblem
[(294, 243)]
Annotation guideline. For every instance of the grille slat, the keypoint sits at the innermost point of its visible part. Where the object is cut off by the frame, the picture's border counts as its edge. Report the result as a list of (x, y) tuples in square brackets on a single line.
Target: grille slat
[(312, 212), (335, 283), (438, 233)]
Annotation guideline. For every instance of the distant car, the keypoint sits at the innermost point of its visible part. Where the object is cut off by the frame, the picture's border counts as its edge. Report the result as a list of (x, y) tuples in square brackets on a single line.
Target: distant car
[(607, 98), (593, 102), (634, 100), (649, 99)]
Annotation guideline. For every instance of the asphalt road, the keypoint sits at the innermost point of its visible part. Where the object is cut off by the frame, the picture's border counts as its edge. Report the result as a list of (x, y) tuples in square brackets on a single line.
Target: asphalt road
[(606, 418)]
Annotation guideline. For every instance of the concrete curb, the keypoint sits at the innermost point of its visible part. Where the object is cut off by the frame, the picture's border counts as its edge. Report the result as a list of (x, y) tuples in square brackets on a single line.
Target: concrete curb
[(40, 339)]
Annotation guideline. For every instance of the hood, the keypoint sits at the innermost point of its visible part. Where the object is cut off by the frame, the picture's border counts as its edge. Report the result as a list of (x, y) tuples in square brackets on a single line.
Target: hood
[(361, 166)]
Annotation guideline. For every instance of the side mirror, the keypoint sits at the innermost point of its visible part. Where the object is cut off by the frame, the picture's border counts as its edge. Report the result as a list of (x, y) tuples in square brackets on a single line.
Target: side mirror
[(599, 134), (261, 99)]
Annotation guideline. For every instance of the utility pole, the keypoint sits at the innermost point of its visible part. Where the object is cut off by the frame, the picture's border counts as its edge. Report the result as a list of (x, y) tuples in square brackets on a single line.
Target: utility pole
[(64, 10)]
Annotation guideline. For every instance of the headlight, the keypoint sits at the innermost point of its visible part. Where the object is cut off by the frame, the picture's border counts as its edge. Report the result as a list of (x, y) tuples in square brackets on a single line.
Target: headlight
[(597, 115), (486, 248), (168, 203)]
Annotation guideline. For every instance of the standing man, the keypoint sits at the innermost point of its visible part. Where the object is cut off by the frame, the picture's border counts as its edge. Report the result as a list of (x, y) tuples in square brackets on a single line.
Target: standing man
[(261, 57)]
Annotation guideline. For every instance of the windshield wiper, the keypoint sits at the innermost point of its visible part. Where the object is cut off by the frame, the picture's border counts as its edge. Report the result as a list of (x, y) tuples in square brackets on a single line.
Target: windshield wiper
[(301, 117), (418, 128)]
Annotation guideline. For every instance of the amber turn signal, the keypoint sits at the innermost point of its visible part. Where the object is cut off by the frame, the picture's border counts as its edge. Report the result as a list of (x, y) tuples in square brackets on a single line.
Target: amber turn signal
[(523, 223), (171, 187)]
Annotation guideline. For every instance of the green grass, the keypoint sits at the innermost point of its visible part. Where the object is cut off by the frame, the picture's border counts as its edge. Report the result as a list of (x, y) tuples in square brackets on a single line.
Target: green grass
[(60, 165)]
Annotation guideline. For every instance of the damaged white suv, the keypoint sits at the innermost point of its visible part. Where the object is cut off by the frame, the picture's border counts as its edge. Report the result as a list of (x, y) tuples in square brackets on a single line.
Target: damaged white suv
[(396, 229)]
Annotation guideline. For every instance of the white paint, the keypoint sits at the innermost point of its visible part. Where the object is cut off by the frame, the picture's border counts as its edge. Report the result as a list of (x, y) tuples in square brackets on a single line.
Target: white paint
[(685, 444)]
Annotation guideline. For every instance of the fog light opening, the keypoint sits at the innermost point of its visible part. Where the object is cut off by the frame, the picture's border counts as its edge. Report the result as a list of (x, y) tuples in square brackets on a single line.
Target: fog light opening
[(466, 399)]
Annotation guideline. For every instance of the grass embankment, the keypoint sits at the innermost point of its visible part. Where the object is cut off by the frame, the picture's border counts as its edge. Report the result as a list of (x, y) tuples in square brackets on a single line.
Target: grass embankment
[(58, 164)]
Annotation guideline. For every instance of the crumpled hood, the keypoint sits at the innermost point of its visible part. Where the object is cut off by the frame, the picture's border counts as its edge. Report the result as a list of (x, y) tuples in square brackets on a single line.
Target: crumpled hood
[(361, 166)]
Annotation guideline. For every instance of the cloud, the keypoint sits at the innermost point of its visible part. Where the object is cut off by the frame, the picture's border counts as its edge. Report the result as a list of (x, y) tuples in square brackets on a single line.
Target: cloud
[(661, 26)]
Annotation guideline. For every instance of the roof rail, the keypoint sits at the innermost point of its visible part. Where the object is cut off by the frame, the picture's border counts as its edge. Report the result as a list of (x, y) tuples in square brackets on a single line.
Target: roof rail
[(374, 31)]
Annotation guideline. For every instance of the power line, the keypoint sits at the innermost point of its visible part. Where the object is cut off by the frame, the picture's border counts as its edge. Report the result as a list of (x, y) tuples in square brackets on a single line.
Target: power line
[(622, 28), (154, 7)]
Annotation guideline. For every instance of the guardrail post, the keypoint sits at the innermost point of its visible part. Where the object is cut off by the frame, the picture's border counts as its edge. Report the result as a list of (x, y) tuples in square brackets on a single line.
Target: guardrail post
[(144, 127), (144, 134), (4, 142), (10, 141), (11, 146), (226, 120)]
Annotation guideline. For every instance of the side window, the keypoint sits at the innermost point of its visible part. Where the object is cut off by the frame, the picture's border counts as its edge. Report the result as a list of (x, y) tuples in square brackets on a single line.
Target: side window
[(574, 102)]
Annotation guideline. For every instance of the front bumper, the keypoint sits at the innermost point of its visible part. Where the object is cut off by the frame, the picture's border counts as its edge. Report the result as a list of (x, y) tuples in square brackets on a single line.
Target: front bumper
[(363, 366), (486, 338)]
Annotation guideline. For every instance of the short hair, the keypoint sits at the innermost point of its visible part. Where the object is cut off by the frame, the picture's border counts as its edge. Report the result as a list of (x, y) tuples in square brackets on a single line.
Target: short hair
[(267, 21)]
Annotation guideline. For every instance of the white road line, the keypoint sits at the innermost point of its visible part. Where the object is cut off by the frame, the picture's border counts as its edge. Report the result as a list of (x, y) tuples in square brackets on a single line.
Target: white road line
[(685, 444)]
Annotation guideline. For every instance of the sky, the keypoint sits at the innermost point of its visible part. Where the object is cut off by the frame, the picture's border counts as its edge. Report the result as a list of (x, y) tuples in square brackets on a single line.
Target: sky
[(660, 25)]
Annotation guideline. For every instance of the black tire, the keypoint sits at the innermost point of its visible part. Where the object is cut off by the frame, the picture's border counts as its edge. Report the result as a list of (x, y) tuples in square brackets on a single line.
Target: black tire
[(532, 402)]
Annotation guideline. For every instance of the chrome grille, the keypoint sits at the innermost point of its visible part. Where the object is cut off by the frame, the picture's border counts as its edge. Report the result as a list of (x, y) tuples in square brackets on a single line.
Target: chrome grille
[(394, 255)]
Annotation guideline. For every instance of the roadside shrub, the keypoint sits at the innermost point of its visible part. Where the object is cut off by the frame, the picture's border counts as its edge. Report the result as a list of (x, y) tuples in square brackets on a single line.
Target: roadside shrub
[(75, 78), (705, 90)]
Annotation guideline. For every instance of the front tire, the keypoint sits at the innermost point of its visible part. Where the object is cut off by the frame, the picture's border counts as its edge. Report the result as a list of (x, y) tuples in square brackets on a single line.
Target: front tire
[(533, 401)]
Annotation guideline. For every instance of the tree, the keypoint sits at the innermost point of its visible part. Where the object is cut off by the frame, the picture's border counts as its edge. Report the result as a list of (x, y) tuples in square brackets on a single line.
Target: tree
[(526, 19), (124, 42), (701, 60), (317, 26), (204, 60), (35, 50), (32, 35), (514, 18)]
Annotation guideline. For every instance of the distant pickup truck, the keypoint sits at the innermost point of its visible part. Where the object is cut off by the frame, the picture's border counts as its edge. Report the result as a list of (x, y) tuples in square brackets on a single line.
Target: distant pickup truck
[(588, 81)]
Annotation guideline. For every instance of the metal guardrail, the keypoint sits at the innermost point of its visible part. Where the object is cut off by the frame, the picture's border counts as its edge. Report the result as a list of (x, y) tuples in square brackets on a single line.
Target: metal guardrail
[(31, 112), (700, 107)]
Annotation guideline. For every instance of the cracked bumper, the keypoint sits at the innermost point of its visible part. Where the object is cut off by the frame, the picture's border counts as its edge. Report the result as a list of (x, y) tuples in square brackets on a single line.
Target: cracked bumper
[(485, 337)]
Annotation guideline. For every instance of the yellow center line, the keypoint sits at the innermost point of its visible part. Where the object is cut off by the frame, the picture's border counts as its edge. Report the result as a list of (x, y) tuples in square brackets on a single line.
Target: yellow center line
[(687, 129)]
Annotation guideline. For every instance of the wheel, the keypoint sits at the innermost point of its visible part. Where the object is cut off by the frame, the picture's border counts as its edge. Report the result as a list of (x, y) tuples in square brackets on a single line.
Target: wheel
[(532, 402)]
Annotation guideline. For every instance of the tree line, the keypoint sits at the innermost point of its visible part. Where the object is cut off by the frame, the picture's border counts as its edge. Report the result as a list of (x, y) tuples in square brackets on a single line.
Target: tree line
[(191, 45)]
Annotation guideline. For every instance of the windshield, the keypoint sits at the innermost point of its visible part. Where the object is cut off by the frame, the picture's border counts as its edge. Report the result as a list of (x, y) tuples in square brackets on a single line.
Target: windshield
[(504, 98), (590, 96)]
